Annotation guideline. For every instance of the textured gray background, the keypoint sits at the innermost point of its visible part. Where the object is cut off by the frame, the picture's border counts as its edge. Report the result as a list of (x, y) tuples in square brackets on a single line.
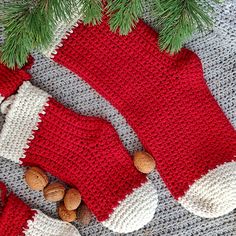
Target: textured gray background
[(217, 49)]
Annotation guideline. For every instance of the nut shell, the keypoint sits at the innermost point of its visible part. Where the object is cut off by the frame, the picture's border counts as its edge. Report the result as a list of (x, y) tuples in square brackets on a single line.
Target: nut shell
[(54, 192), (66, 215), (36, 178), (72, 199), (84, 215), (144, 162)]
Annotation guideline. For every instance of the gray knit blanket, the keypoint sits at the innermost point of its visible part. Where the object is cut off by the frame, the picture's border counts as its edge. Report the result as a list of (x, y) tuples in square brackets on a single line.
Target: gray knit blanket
[(217, 49)]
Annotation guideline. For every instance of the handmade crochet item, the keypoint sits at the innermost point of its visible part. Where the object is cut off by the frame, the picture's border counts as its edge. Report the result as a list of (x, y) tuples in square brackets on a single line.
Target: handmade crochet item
[(16, 218), (10, 80), (85, 152), (167, 102)]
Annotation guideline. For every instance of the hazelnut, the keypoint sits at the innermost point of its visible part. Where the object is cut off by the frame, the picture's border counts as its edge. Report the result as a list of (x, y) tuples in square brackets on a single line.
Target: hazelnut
[(54, 192), (36, 178), (66, 215), (144, 162), (84, 215), (72, 199)]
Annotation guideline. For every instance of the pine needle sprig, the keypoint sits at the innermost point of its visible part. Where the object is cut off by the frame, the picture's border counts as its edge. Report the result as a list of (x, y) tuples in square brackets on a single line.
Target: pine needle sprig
[(178, 19), (15, 48), (124, 14), (92, 10), (29, 25), (61, 9)]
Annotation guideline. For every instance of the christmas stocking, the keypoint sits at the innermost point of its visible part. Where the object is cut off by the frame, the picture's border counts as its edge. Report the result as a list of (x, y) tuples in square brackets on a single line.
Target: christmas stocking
[(16, 218), (167, 102), (10, 80), (85, 152)]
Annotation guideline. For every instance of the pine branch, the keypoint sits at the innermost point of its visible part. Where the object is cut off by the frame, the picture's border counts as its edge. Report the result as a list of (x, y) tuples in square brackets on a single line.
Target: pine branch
[(29, 25), (92, 10), (178, 19), (61, 9), (124, 14)]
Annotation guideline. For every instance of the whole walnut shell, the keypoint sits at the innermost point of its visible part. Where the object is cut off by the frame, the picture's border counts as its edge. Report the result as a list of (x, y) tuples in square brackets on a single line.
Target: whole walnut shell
[(36, 178), (144, 162), (72, 199), (65, 214), (54, 192)]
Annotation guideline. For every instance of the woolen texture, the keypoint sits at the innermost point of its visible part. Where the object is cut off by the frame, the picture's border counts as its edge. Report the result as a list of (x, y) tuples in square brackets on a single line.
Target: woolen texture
[(18, 219), (11, 80), (166, 101), (170, 219), (83, 151), (12, 224)]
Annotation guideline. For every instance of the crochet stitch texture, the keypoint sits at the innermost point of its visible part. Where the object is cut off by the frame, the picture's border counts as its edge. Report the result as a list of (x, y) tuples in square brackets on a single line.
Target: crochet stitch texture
[(12, 79), (171, 219), (19, 219), (166, 101), (82, 151)]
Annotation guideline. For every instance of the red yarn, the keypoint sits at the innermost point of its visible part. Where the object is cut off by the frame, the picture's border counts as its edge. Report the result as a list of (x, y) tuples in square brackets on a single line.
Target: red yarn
[(13, 219), (84, 152), (3, 193), (10, 79), (164, 98)]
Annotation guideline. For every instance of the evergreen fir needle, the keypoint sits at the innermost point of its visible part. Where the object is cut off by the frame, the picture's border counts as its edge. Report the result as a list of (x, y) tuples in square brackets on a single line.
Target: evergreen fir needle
[(29, 25)]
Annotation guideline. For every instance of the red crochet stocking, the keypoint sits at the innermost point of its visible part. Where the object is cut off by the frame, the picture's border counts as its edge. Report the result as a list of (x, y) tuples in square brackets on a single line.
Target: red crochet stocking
[(18, 219), (82, 151), (10, 80), (167, 102)]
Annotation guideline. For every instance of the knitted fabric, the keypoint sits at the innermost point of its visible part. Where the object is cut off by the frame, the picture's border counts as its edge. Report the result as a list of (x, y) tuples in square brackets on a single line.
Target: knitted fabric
[(166, 101), (12, 79), (170, 219), (217, 50), (40, 131), (19, 219)]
